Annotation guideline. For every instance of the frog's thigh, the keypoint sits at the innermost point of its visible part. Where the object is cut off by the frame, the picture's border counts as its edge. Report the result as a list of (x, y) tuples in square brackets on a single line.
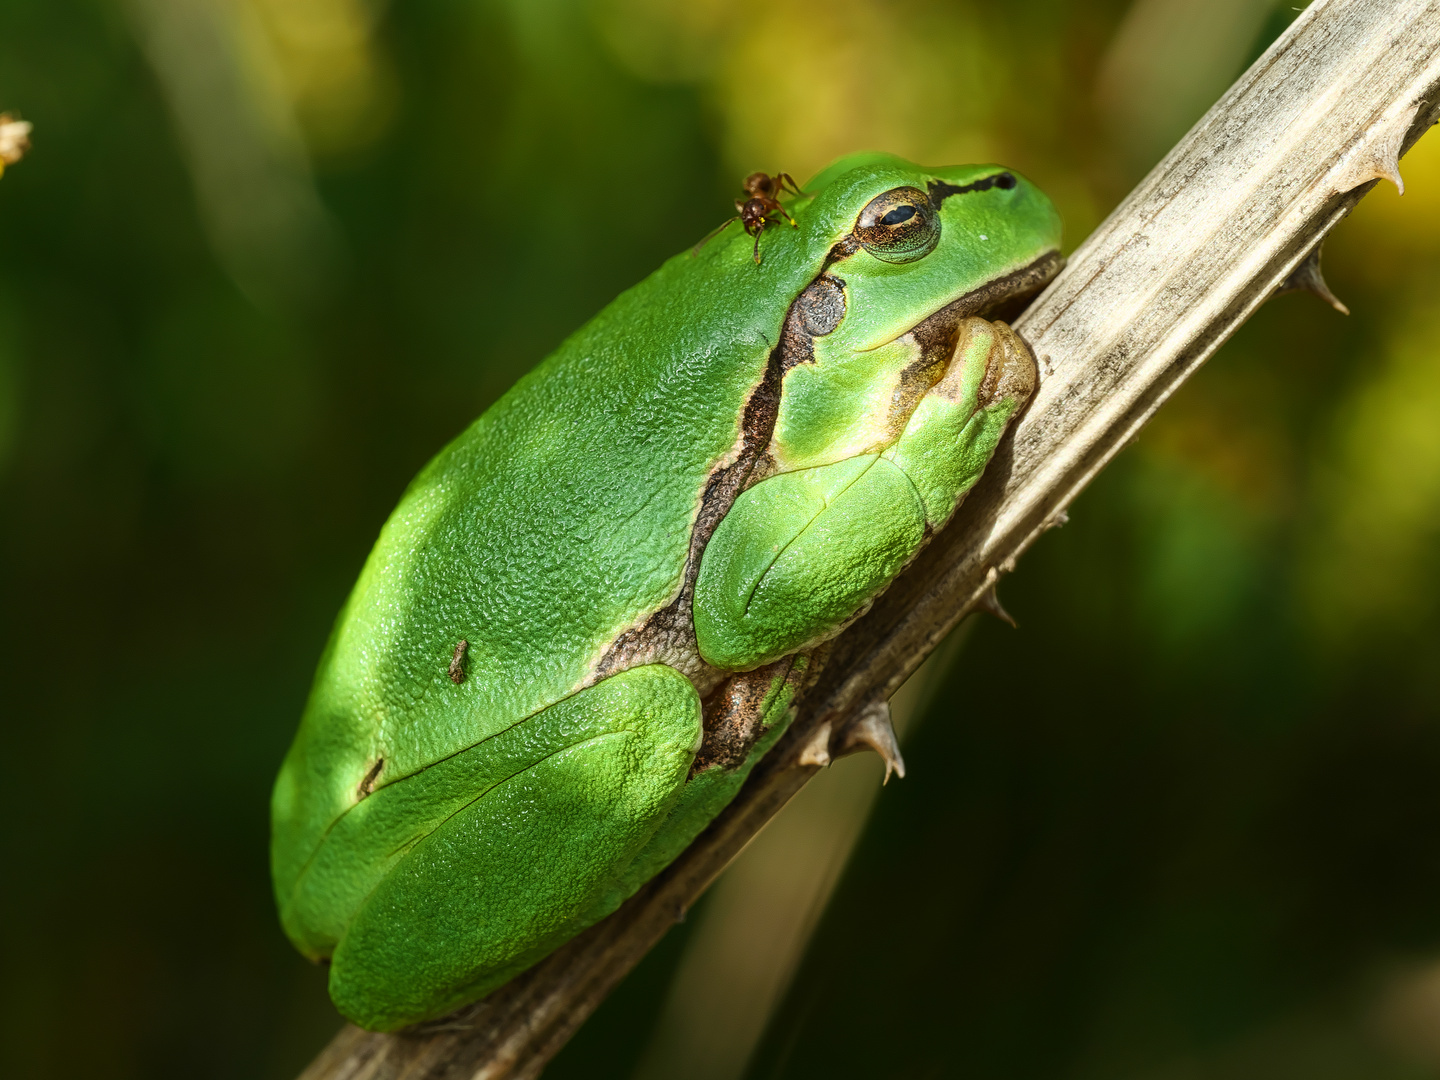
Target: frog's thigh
[(502, 882), (798, 554), (704, 796)]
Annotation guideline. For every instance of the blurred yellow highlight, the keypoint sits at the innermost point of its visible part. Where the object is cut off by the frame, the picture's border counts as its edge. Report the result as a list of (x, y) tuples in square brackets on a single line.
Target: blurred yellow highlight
[(1389, 232), (794, 91), (257, 90), (14, 140), (340, 85), (1370, 567), (1168, 63)]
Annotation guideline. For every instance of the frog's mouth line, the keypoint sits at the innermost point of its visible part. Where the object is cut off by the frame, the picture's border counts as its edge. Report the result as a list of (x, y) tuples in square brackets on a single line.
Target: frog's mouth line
[(1004, 299), (935, 335)]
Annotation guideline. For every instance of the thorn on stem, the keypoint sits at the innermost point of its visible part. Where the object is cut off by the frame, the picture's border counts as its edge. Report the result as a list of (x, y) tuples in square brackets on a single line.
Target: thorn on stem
[(873, 730), (989, 602), (817, 750), (1307, 278)]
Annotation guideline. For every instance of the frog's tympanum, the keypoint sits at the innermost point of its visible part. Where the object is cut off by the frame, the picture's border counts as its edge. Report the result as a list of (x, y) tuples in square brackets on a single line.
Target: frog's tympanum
[(717, 473)]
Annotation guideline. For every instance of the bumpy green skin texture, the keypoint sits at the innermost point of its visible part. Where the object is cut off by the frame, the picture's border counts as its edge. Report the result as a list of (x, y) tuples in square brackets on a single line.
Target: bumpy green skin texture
[(517, 807), (701, 798)]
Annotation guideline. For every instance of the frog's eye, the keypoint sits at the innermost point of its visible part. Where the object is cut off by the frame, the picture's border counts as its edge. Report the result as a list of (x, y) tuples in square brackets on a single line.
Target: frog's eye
[(899, 226)]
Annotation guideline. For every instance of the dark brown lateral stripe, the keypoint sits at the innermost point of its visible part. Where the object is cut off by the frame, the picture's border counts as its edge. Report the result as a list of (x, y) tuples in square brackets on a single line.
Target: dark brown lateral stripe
[(940, 191)]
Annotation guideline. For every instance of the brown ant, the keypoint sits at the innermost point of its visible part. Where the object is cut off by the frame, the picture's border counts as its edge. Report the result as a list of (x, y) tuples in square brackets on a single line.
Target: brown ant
[(760, 209)]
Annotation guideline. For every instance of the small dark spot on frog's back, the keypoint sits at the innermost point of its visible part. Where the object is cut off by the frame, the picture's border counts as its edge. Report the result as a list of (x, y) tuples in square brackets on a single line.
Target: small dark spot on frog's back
[(456, 670), (368, 784)]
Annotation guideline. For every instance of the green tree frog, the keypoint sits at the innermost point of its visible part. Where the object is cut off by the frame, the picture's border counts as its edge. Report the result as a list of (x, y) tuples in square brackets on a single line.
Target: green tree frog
[(717, 473)]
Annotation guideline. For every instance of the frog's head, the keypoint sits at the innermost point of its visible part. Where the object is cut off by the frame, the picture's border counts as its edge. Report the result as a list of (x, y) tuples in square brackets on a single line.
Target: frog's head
[(909, 241), (906, 253)]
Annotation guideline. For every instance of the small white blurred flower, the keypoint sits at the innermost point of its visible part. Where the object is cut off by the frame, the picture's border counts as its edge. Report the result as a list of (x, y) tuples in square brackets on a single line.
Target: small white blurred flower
[(14, 140)]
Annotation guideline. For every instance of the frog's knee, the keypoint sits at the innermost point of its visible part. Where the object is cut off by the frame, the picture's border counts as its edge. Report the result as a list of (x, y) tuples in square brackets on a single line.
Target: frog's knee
[(508, 875), (758, 720), (799, 555)]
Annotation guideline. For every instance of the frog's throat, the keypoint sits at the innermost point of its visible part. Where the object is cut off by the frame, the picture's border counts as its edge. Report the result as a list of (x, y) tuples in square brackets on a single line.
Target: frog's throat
[(667, 635)]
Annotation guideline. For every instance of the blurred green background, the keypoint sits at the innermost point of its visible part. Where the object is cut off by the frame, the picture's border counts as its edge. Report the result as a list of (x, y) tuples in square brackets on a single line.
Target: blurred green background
[(267, 256)]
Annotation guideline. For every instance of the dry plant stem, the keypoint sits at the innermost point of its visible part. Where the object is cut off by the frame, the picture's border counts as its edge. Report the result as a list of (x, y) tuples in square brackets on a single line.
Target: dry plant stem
[(1225, 221)]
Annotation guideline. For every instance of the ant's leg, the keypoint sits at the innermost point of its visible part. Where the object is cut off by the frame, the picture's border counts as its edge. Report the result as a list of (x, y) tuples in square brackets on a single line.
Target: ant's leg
[(712, 234), (774, 209)]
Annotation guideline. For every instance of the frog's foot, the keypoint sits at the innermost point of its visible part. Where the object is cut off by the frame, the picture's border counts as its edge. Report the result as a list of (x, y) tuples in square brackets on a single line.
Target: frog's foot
[(955, 429), (872, 730)]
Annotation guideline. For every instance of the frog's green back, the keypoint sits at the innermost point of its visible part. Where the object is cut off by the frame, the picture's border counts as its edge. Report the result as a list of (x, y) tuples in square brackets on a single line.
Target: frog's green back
[(559, 519)]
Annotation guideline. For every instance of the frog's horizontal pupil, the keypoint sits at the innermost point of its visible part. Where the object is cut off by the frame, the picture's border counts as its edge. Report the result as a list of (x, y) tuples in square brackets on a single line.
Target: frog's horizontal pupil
[(899, 226)]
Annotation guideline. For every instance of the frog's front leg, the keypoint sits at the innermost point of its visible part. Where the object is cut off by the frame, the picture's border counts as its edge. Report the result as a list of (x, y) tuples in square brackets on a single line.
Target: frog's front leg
[(519, 867), (799, 554)]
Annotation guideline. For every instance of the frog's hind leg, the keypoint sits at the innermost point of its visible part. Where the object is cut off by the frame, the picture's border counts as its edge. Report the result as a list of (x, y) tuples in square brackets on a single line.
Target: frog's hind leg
[(757, 708), (517, 870)]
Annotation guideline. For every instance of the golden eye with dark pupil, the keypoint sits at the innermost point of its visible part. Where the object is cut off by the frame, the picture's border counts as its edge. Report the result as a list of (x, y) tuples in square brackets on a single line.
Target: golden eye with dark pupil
[(899, 226)]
